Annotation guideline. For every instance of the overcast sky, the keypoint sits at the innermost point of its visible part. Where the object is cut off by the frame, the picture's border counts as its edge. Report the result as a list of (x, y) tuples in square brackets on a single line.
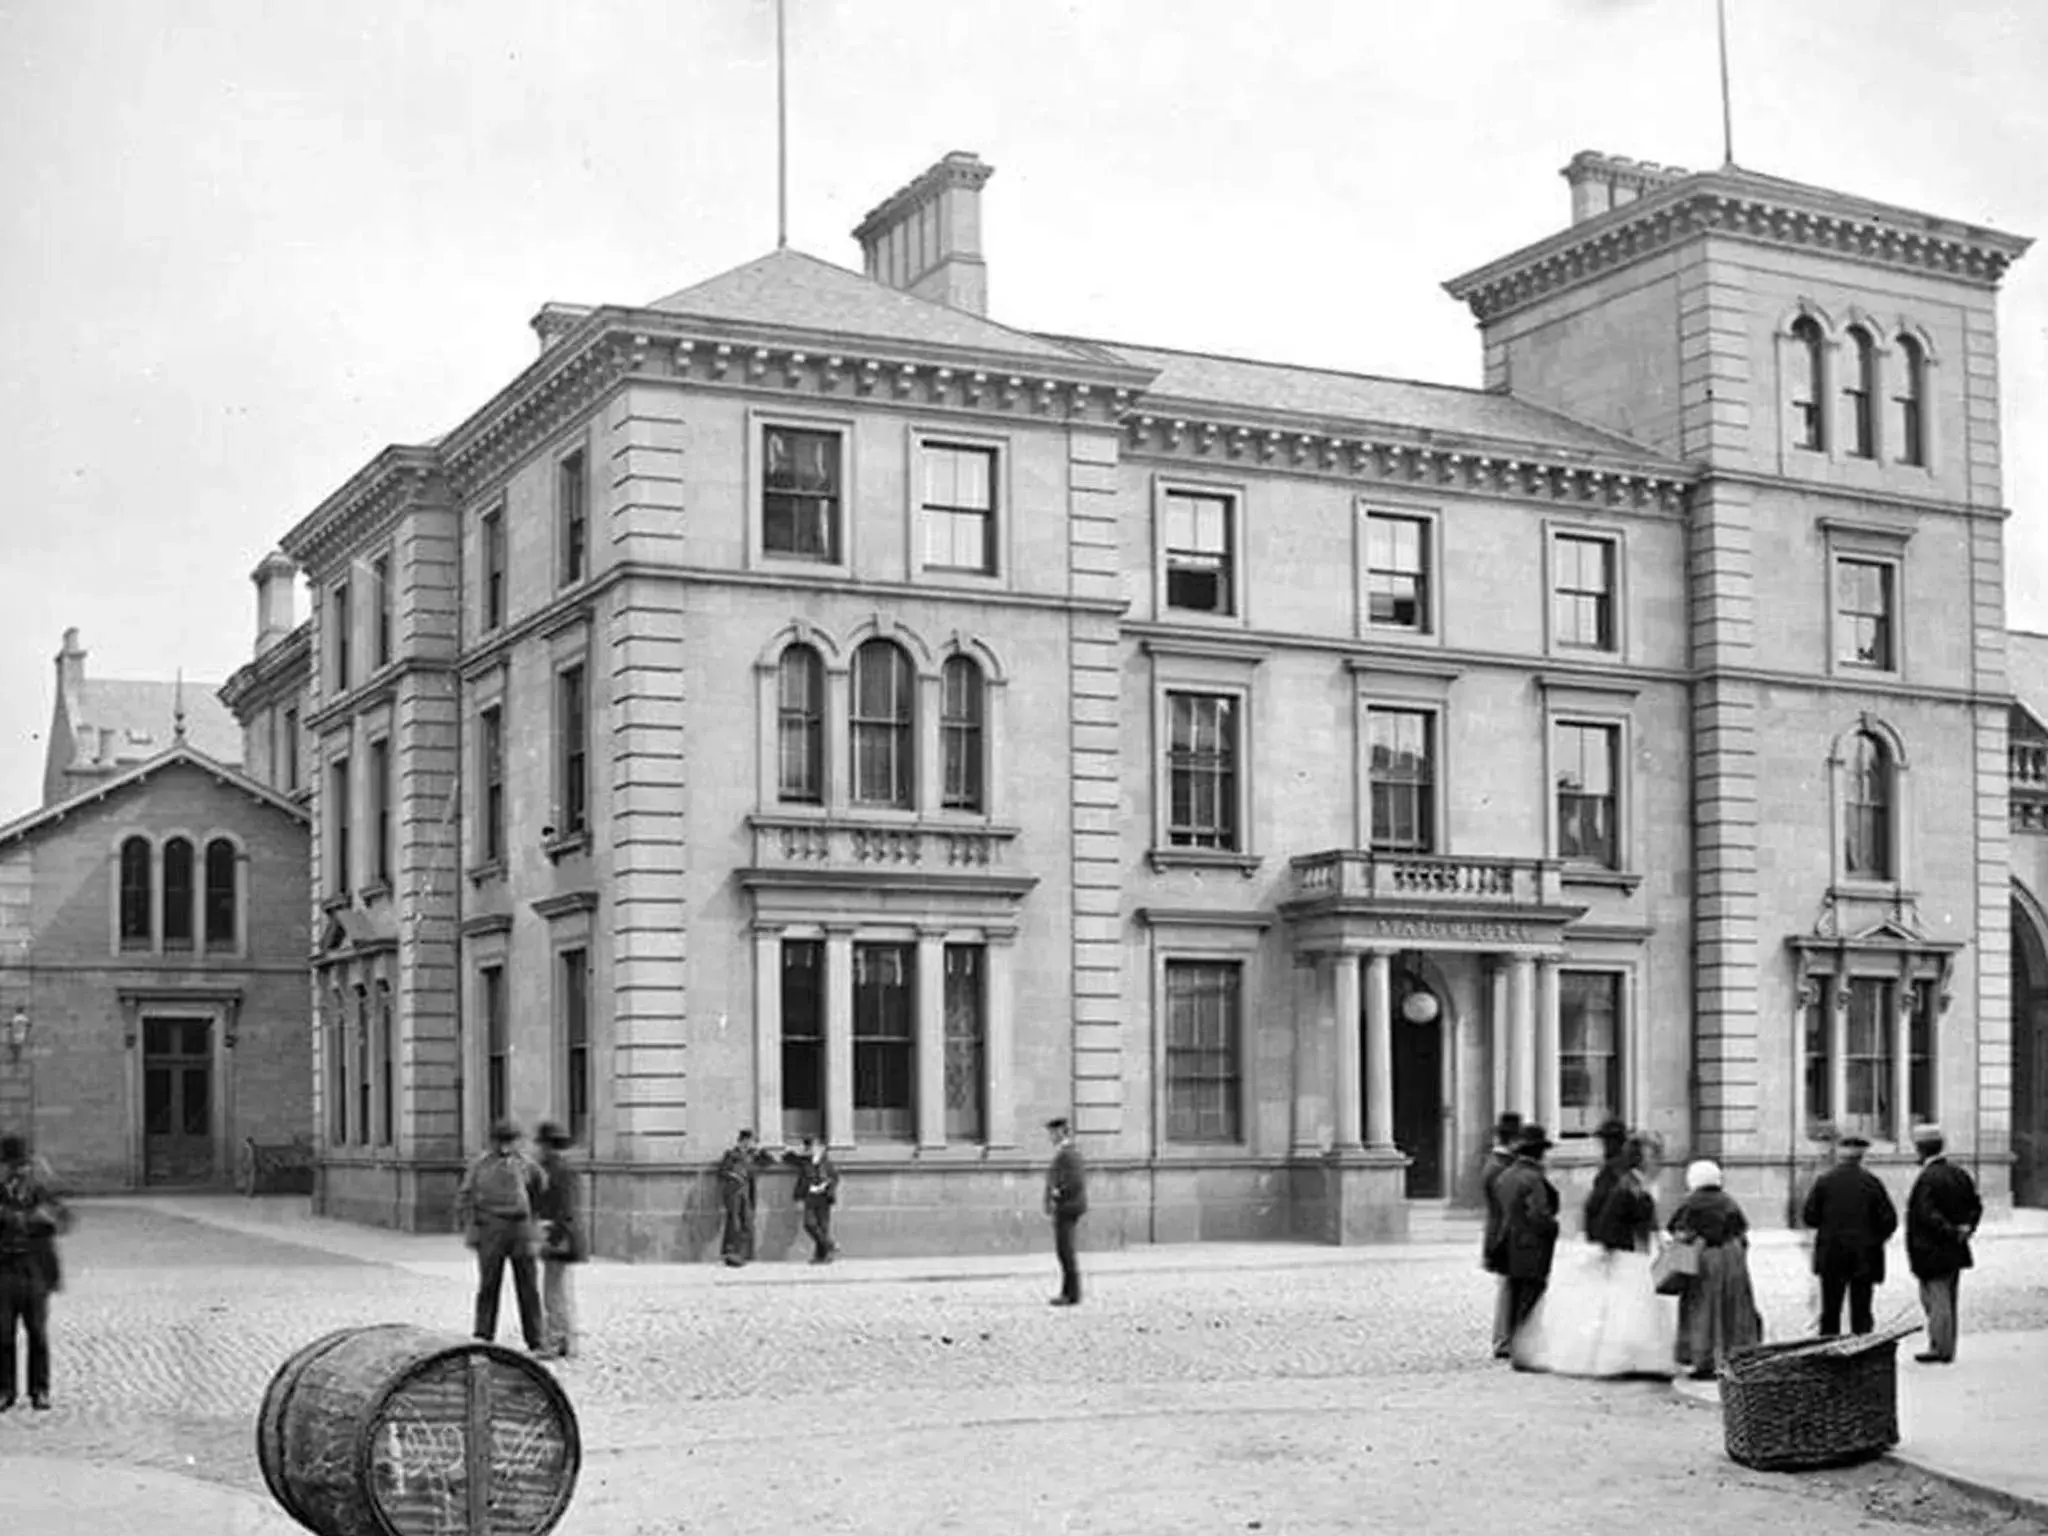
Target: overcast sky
[(248, 244)]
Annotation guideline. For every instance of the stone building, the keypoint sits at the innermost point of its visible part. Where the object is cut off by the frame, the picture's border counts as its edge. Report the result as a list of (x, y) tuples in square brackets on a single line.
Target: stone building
[(805, 702), (153, 940), (101, 727)]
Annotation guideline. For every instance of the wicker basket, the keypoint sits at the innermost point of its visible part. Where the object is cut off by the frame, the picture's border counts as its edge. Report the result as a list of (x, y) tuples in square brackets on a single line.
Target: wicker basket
[(1815, 1403)]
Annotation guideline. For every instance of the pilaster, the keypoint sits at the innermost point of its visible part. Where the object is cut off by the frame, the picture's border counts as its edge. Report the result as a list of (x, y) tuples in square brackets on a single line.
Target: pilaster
[(426, 740), (638, 486)]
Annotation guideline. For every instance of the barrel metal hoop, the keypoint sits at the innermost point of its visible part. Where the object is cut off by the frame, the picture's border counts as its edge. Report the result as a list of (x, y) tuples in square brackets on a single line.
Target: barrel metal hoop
[(293, 1368)]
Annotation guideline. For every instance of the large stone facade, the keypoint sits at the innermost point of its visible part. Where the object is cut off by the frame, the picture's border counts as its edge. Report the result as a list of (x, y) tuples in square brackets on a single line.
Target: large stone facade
[(803, 704)]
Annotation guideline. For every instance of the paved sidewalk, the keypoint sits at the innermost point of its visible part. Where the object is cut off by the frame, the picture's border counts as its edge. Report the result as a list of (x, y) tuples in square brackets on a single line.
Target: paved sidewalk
[(1977, 1423), (48, 1496)]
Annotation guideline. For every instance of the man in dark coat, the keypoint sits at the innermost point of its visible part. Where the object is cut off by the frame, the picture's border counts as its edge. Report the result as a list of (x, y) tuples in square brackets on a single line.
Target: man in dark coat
[(1506, 1132), (1942, 1213), (736, 1174), (494, 1208), (31, 1216), (1528, 1226), (557, 1210), (817, 1191), (1066, 1202), (1852, 1217)]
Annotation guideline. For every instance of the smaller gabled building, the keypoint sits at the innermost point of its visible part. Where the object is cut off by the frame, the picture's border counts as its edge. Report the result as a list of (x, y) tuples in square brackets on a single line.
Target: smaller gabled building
[(153, 935), (100, 727)]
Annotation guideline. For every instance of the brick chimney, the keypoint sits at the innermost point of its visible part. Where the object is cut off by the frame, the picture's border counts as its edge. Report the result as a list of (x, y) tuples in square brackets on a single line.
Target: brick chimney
[(926, 238), (1600, 182), (70, 666), (274, 599)]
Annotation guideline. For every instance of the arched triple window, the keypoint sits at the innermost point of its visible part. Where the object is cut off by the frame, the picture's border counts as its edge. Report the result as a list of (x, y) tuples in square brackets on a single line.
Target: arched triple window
[(137, 919), (1859, 395), (800, 726), (220, 894), (1909, 401), (884, 736), (1809, 383), (178, 893), (962, 715), (1868, 851)]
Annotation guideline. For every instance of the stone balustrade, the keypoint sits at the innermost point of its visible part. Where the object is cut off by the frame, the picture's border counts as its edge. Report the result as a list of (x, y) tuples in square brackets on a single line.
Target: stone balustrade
[(1353, 875), (843, 843)]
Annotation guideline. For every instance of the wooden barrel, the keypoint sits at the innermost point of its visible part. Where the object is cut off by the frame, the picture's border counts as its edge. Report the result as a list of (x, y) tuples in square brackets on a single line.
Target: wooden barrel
[(398, 1431)]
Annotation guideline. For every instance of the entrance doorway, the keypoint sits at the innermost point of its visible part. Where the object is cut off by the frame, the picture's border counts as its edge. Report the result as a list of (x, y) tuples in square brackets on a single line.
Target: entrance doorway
[(2029, 1058), (177, 1101), (1419, 1084)]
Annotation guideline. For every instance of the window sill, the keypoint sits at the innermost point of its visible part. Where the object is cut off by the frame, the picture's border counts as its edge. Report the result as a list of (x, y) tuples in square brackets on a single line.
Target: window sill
[(376, 890), (1168, 614), (810, 565), (1612, 879), (339, 901), (490, 869), (1246, 864), (1856, 888), (559, 848), (1401, 634)]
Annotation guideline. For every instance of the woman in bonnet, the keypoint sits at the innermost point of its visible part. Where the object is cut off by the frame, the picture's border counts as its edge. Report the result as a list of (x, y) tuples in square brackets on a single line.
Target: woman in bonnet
[(1717, 1314)]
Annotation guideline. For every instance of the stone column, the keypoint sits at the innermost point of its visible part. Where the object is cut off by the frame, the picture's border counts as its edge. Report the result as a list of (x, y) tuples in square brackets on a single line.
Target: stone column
[(1379, 1052), (1499, 1040), (1547, 1105), (1901, 1027), (839, 1036), (930, 1050), (999, 1122), (1350, 1081), (768, 1035), (1522, 1028), (1837, 993)]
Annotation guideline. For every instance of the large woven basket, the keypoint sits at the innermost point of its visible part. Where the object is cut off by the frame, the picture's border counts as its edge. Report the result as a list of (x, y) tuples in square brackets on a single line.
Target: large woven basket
[(1814, 1403)]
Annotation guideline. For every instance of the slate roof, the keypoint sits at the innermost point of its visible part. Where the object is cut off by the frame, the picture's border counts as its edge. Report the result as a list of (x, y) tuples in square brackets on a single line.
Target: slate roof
[(141, 719), (789, 288), (2026, 672), (1442, 408), (226, 773)]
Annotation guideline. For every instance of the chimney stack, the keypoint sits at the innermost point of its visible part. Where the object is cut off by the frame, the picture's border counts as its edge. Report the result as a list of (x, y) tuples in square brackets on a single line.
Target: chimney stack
[(1601, 183), (926, 238), (274, 617), (70, 666)]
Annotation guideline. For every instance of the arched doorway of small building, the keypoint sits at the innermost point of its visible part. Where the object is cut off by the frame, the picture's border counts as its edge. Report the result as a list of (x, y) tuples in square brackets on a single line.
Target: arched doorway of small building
[(2029, 1050), (1421, 1019)]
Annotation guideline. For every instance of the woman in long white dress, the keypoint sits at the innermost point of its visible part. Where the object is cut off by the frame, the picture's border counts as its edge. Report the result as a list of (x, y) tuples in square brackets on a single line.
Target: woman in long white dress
[(1602, 1315)]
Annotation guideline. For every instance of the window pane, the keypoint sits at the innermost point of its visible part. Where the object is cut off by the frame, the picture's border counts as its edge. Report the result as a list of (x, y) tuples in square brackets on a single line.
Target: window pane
[(1202, 1051)]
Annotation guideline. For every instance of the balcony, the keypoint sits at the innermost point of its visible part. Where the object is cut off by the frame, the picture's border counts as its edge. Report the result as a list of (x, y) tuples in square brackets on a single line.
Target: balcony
[(819, 843), (1404, 879), (2026, 772)]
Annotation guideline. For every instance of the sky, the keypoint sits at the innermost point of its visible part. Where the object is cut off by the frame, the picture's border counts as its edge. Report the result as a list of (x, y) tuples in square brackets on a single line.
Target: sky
[(244, 244)]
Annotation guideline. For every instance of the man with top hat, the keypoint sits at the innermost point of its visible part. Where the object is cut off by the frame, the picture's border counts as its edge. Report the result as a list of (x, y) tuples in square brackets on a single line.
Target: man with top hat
[(1942, 1213), (1527, 1240), (1852, 1217), (1506, 1132), (1066, 1202), (495, 1209)]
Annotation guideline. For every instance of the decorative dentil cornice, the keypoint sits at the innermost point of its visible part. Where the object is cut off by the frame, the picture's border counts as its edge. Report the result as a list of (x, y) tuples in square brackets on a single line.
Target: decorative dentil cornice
[(282, 669), (1741, 204)]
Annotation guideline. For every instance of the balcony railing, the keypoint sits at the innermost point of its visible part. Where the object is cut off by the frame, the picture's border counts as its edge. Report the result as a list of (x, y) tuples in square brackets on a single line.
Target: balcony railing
[(1347, 874), (2026, 773), (790, 842)]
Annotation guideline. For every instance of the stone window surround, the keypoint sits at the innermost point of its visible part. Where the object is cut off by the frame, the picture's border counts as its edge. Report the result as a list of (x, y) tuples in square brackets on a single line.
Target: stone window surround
[(927, 665), (219, 1007), (340, 606), (1824, 967), (1419, 687), (1870, 542), (378, 569), (492, 510), (572, 924), (1584, 701), (1003, 515), (1216, 666), (1835, 347), (1236, 938), (570, 645), (488, 690), (577, 442), (1555, 528), (1898, 884), (842, 423), (1431, 518), (930, 931), (1627, 1045), (1236, 494), (237, 950), (486, 943), (348, 1006)]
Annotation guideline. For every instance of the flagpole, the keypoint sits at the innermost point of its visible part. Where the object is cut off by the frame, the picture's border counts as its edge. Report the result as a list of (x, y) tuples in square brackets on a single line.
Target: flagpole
[(1727, 113), (782, 134)]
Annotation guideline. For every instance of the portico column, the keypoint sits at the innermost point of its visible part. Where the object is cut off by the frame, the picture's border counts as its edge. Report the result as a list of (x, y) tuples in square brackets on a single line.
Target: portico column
[(1350, 1084), (1499, 1038), (1379, 1052), (1901, 1027), (768, 1035), (839, 1036), (999, 1118), (930, 1050), (1547, 1105), (1838, 1046), (1522, 1027)]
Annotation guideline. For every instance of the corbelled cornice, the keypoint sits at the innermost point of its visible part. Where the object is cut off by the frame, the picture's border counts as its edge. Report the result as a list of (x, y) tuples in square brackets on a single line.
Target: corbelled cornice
[(369, 497), (1743, 205), (284, 668)]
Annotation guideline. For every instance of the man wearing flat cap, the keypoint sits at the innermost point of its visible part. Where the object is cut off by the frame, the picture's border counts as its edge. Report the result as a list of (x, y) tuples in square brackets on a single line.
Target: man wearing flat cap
[(1066, 1202), (1942, 1213), (494, 1207), (1852, 1217)]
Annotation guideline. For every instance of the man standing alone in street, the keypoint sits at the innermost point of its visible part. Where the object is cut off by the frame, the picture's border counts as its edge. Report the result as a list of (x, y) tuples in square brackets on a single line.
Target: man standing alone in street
[(1066, 1202), (31, 1216), (1505, 1134), (1942, 1213), (1852, 1217), (495, 1208)]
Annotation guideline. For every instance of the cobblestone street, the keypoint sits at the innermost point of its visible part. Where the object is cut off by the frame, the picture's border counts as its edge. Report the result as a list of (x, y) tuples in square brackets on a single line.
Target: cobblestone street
[(1320, 1395)]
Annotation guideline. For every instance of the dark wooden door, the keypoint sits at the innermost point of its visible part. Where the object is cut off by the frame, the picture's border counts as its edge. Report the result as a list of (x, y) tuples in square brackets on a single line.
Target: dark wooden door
[(177, 1101), (1419, 1100)]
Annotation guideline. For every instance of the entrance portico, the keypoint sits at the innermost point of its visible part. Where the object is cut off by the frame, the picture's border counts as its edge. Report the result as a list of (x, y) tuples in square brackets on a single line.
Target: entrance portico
[(1399, 942)]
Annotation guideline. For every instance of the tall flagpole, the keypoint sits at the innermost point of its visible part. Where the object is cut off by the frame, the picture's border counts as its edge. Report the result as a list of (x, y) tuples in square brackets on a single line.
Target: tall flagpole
[(1727, 113), (782, 131)]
